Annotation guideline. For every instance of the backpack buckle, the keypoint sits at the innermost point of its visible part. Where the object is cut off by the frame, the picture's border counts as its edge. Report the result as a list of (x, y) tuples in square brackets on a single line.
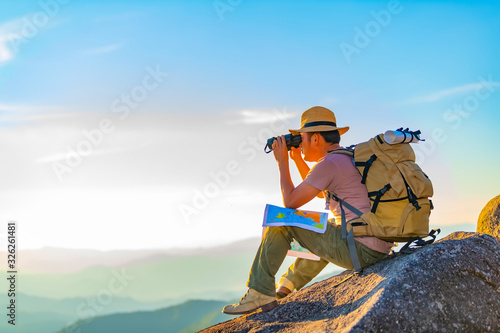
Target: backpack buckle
[(412, 198)]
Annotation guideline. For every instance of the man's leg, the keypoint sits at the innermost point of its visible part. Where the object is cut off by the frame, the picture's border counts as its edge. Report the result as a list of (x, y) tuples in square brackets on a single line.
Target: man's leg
[(331, 247), (302, 271), (270, 255), (276, 243), (272, 251)]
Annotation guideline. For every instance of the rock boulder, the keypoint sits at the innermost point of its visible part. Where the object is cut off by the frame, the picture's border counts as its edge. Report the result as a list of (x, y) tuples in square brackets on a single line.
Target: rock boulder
[(489, 218), (450, 286)]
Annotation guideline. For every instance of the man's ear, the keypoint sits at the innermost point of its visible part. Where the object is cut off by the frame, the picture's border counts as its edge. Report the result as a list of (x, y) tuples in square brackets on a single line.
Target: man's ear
[(315, 138)]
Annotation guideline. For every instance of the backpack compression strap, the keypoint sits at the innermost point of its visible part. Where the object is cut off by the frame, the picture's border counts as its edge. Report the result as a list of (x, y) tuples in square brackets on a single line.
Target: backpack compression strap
[(366, 167), (378, 195), (420, 242)]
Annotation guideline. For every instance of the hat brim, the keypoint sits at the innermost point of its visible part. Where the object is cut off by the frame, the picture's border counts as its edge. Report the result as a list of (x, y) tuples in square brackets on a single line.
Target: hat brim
[(322, 128)]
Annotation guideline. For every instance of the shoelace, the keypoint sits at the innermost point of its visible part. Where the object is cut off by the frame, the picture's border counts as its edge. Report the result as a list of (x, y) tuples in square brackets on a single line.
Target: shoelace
[(245, 295)]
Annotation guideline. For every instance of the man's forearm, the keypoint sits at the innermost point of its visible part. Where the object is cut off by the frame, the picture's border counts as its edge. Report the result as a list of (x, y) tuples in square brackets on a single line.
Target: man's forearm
[(304, 170), (302, 167), (286, 183)]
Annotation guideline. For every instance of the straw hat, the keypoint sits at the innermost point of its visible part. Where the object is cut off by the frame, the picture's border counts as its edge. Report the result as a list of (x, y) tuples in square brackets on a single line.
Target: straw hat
[(318, 119)]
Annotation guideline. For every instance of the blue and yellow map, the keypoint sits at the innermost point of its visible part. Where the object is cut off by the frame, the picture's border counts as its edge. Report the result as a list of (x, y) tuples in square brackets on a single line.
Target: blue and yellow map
[(275, 216)]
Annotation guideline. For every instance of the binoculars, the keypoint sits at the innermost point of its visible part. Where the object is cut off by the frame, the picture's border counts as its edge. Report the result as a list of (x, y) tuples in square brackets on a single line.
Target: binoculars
[(290, 139)]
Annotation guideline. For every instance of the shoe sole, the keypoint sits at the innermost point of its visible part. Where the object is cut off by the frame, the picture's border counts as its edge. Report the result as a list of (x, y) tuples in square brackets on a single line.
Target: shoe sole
[(283, 292), (281, 295), (265, 308)]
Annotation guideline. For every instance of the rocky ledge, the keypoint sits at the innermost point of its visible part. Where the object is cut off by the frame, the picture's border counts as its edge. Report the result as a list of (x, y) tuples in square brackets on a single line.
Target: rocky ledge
[(450, 286)]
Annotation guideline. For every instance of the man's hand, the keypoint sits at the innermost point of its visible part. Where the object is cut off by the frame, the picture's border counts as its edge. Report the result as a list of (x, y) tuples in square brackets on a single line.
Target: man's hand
[(292, 197), (279, 149), (296, 154)]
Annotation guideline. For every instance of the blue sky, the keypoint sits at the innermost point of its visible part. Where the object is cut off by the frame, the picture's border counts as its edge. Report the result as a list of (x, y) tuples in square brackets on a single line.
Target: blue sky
[(208, 76)]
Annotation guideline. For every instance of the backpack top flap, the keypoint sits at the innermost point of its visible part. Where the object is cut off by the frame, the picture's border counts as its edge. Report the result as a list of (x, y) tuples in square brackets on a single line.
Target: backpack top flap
[(396, 153), (392, 162), (400, 159)]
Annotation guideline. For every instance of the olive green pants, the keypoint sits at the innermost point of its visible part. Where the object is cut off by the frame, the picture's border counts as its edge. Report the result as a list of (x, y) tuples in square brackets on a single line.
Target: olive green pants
[(329, 246), (302, 271)]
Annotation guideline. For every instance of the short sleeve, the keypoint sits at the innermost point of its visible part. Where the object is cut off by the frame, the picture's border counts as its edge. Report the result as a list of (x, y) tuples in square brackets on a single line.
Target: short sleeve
[(321, 175)]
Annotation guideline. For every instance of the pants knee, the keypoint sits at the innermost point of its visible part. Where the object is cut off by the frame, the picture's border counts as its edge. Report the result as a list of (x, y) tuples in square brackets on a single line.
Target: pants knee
[(276, 231)]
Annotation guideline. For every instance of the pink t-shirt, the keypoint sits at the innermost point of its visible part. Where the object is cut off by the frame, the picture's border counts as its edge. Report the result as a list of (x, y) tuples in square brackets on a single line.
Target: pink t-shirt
[(337, 173)]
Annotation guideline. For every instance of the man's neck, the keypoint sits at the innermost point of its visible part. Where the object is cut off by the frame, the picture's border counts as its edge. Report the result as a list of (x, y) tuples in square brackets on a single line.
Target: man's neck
[(329, 148)]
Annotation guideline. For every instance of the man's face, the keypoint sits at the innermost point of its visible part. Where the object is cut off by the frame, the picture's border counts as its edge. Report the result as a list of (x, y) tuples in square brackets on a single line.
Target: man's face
[(307, 152)]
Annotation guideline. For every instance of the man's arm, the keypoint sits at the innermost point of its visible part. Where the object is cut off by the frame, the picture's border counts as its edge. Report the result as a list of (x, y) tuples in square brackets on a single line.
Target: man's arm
[(293, 197), (296, 156)]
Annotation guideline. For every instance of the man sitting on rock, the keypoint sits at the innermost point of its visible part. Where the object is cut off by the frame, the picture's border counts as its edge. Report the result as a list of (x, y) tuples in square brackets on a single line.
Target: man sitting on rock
[(332, 172)]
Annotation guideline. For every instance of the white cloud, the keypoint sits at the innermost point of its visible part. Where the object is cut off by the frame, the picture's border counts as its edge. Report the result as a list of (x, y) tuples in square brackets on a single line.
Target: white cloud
[(23, 113), (32, 109), (18, 31), (143, 148), (436, 96), (5, 53), (142, 172), (9, 33), (61, 156), (104, 49), (254, 117)]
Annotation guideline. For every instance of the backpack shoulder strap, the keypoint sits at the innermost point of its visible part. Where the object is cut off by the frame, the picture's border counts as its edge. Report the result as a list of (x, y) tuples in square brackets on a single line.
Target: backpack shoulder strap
[(345, 151), (346, 235)]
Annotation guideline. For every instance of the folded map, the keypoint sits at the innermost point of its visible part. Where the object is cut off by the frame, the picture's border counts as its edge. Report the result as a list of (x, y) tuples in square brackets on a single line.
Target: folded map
[(275, 216)]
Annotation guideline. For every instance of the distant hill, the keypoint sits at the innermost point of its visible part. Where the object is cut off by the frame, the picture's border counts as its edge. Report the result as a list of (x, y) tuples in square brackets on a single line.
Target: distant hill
[(155, 276), (188, 317), (40, 322), (68, 306), (47, 315), (61, 260), (189, 278)]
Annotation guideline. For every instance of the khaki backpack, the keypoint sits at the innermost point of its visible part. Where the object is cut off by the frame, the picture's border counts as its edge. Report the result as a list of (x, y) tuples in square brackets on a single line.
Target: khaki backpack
[(399, 194)]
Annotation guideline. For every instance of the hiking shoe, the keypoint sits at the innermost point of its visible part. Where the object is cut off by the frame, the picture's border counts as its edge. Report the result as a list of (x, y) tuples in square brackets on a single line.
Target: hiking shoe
[(282, 292), (285, 288), (250, 302)]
